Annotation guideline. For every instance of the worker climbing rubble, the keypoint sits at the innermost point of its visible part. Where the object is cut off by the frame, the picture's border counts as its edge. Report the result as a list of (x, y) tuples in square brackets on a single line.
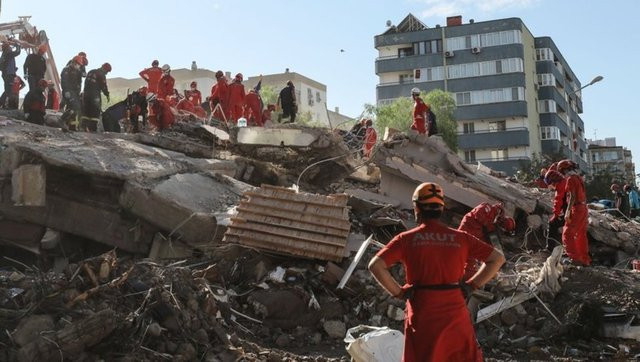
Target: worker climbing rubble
[(370, 138), (94, 86), (437, 324)]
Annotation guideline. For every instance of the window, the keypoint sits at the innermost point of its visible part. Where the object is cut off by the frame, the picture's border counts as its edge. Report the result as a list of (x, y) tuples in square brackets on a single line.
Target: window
[(427, 47), (478, 69), (470, 156), (463, 98), (405, 52), (498, 67), (490, 96), (318, 98), (468, 127), (544, 54), (406, 78), (500, 154), (549, 133), (430, 74), (310, 97), (484, 40), (497, 126), (546, 79), (610, 156), (547, 106)]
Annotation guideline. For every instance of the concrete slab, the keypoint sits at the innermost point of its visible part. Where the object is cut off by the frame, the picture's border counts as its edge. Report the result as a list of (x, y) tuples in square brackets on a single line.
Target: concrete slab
[(275, 137), (28, 184)]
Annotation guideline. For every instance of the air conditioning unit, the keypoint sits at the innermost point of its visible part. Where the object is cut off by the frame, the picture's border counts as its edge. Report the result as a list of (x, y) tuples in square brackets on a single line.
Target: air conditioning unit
[(448, 54), (476, 50)]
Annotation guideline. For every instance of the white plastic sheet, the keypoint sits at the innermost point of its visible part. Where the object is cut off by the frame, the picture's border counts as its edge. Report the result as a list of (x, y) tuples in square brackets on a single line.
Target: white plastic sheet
[(374, 344)]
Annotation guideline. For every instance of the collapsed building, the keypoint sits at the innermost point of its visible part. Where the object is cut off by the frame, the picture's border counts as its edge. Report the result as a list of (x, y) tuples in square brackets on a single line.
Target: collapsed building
[(202, 243)]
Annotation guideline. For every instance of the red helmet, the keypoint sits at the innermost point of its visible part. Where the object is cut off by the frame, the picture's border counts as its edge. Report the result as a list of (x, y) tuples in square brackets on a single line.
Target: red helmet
[(194, 84), (155, 63), (508, 224), (553, 167), (106, 67), (239, 77), (553, 177), (79, 60), (566, 165), (219, 74)]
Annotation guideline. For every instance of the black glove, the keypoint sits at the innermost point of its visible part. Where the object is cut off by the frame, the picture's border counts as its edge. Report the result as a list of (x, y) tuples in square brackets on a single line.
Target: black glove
[(406, 292), (467, 290)]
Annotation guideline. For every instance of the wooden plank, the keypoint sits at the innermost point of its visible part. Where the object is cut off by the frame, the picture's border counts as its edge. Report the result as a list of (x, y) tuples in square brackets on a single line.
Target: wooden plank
[(338, 213), (325, 229), (338, 224), (237, 223)]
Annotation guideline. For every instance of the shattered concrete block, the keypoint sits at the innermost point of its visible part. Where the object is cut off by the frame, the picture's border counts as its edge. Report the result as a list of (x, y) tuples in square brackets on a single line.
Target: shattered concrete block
[(162, 248), (275, 137), (51, 239), (395, 313), (9, 161), (335, 329), (28, 184)]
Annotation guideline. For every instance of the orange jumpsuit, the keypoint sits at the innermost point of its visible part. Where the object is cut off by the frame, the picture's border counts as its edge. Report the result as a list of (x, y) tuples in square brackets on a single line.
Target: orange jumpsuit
[(574, 232), (164, 117), (152, 76), (220, 95), (478, 222), (252, 109), (370, 138), (437, 325), (195, 97), (236, 100), (166, 86), (420, 110)]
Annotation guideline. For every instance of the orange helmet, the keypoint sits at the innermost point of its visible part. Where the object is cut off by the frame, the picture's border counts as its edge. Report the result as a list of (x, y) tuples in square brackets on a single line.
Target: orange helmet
[(428, 193), (553, 177), (79, 60), (508, 224), (566, 165)]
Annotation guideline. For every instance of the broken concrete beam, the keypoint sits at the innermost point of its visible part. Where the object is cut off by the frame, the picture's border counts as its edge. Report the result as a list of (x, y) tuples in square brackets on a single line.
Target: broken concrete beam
[(261, 136), (504, 304), (300, 224), (183, 205), (28, 184)]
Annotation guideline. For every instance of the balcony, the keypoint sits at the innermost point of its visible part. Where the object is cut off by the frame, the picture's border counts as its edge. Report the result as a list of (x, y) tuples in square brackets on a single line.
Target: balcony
[(491, 110), (509, 137), (407, 63)]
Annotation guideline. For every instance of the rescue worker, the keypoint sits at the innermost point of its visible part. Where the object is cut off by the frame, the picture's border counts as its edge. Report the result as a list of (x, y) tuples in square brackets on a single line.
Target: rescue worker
[(34, 103), (266, 114), (481, 222), (557, 182), (166, 84), (10, 50), (634, 200), (85, 62), (370, 138), (288, 102), (94, 85), (53, 98), (236, 98), (14, 99), (437, 325), (621, 200), (539, 182), (355, 137), (71, 83), (152, 76), (137, 106), (576, 220), (35, 66), (220, 96), (164, 117), (184, 104), (193, 94), (420, 112), (253, 108)]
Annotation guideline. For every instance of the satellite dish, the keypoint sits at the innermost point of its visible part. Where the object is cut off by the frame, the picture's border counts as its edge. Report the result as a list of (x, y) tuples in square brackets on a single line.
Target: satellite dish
[(388, 22)]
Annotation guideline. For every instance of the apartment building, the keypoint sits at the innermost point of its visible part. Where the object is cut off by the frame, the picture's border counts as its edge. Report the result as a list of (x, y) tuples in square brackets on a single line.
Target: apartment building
[(516, 95), (606, 157)]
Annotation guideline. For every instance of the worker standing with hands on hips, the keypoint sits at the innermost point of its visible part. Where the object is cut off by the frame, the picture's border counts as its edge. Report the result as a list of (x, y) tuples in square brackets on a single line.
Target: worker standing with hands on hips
[(437, 324)]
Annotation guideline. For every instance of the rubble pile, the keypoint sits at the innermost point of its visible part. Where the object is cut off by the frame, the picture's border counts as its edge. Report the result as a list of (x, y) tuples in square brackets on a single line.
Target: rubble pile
[(217, 260)]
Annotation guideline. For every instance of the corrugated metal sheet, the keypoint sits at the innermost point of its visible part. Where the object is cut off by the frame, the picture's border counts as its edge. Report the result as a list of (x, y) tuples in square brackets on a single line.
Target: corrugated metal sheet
[(300, 224)]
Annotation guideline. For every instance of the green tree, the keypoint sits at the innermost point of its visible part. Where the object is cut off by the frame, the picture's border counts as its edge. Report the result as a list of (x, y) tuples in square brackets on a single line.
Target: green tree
[(398, 115), (600, 185), (269, 95), (530, 170)]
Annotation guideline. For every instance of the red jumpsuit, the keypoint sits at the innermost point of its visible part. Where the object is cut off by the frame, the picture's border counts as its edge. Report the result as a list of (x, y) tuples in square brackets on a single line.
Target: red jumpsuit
[(53, 99), (236, 100), (574, 232), (478, 222), (559, 199), (437, 323), (195, 97), (252, 108), (163, 115), (166, 86), (186, 105), (420, 110), (370, 138), (152, 76), (220, 95)]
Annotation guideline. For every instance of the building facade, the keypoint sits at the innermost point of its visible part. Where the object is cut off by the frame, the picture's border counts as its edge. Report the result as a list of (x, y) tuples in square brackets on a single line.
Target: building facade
[(607, 158), (516, 95)]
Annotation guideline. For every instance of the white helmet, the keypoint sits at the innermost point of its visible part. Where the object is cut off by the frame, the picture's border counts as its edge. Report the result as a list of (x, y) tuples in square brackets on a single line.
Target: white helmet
[(151, 97), (415, 90), (166, 68)]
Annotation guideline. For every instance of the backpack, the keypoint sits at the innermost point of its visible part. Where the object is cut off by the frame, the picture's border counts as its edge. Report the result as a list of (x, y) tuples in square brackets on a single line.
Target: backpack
[(431, 122)]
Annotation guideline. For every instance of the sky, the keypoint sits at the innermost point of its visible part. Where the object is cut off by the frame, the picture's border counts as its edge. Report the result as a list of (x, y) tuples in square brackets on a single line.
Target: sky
[(265, 37)]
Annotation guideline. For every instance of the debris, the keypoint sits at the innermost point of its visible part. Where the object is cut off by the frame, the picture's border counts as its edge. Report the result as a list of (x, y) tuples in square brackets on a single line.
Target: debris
[(283, 221), (29, 185), (356, 260), (30, 327), (335, 329), (624, 329)]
